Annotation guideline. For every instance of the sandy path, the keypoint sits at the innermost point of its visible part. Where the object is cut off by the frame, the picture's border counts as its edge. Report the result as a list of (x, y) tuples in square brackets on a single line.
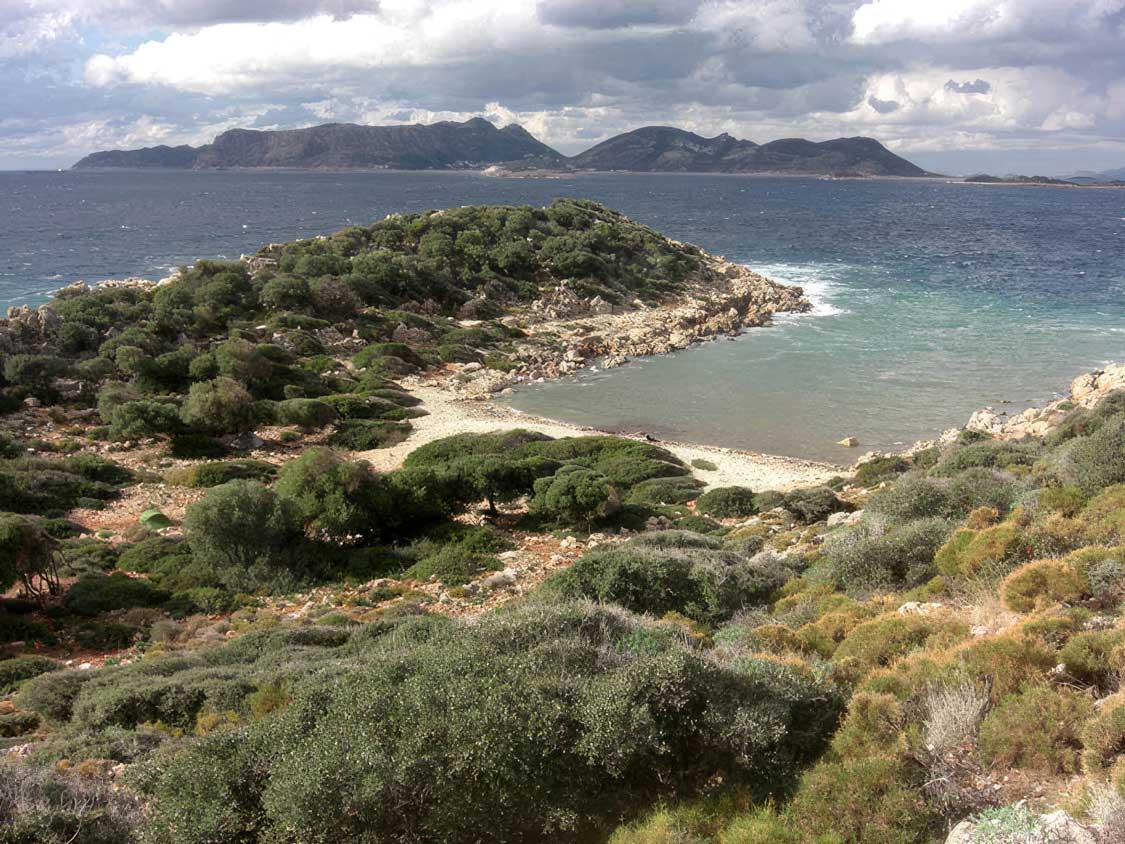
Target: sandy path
[(449, 416)]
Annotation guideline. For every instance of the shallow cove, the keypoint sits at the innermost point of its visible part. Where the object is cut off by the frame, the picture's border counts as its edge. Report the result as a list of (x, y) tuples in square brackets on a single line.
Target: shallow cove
[(948, 296)]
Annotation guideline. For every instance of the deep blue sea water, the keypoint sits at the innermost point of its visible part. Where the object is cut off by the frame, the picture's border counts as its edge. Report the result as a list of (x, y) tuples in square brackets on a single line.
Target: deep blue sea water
[(933, 299)]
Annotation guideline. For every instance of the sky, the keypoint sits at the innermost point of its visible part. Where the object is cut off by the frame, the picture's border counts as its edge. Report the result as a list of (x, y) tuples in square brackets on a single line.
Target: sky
[(957, 86)]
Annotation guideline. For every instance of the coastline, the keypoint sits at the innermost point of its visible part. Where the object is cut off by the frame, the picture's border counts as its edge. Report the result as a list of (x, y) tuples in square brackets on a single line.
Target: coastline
[(566, 334), (450, 414)]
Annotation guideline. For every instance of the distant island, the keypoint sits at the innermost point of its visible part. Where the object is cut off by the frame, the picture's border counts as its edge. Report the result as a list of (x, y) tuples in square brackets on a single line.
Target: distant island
[(1016, 179), (478, 144)]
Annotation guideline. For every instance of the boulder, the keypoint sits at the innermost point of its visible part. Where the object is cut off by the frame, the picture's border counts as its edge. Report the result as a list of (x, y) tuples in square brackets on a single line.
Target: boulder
[(849, 442)]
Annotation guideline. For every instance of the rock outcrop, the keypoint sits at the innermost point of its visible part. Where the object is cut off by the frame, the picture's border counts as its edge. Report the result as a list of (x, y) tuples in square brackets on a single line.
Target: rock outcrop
[(567, 334), (1085, 391)]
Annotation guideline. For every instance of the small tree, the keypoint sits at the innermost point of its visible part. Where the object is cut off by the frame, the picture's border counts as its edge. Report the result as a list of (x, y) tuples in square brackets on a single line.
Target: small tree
[(27, 556), (336, 498), (221, 406), (574, 495), (143, 419), (494, 478), (240, 524)]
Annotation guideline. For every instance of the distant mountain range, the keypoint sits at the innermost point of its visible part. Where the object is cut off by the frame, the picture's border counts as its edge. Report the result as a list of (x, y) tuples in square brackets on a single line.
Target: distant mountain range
[(477, 143)]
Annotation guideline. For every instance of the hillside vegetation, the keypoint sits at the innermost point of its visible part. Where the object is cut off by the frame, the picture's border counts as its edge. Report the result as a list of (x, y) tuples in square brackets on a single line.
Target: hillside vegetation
[(320, 652)]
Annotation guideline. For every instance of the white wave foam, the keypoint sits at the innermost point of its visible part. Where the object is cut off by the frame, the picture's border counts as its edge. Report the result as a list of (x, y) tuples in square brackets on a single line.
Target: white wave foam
[(821, 289)]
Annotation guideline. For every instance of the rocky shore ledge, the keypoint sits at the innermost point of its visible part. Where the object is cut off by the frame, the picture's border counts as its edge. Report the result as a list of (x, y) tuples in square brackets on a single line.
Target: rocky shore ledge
[(567, 333)]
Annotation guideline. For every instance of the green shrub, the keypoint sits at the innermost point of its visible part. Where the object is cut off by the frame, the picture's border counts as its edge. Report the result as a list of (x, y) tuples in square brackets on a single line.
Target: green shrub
[(367, 434), (98, 593), (51, 695), (574, 496), (815, 504), (991, 454), (1103, 736), (240, 525), (553, 755), (220, 406), (913, 498), (880, 468), (308, 414), (452, 566), (657, 576), (980, 487), (206, 475), (337, 498), (1042, 581), (145, 418), (870, 558), (663, 491), (1094, 657), (731, 502), (1036, 729), (704, 465), (15, 670), (1095, 461)]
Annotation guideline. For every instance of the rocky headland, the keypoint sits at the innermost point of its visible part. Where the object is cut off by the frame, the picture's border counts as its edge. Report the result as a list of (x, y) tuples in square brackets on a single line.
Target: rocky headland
[(567, 333)]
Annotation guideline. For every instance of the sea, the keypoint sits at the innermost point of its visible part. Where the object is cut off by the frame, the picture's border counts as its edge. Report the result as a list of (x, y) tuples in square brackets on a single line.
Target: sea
[(931, 298)]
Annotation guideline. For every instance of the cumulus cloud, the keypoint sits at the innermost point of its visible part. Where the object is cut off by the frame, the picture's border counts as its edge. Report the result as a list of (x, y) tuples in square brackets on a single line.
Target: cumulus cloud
[(920, 76)]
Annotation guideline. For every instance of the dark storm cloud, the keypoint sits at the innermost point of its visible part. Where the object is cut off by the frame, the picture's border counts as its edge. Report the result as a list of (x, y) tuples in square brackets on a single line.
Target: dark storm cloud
[(977, 86), (882, 106), (609, 14)]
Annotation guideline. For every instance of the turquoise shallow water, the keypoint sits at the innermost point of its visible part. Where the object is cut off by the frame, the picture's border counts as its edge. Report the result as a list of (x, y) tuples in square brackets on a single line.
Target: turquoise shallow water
[(933, 299)]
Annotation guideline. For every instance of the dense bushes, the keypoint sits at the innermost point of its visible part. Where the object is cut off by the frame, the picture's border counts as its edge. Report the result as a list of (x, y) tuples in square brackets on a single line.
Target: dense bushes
[(99, 593), (15, 670), (732, 502), (670, 572), (872, 557), (549, 756)]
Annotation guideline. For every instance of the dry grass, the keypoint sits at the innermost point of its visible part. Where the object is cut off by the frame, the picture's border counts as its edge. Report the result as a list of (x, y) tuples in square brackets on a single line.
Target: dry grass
[(952, 715)]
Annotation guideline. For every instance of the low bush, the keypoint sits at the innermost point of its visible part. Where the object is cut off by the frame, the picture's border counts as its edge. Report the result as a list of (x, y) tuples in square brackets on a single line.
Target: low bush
[(308, 414), (369, 434), (220, 406), (663, 491), (913, 498), (992, 454), (1095, 657), (1037, 729), (815, 504), (1004, 664), (204, 475), (869, 558), (15, 670), (1042, 582), (1104, 517), (658, 576), (879, 642), (41, 805), (730, 502), (555, 755), (52, 695), (880, 468), (99, 593), (871, 800), (1095, 461), (452, 566), (991, 552), (1103, 736)]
